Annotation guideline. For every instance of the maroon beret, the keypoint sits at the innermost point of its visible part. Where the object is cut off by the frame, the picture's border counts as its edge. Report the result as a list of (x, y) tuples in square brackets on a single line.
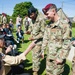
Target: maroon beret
[(3, 14), (46, 8)]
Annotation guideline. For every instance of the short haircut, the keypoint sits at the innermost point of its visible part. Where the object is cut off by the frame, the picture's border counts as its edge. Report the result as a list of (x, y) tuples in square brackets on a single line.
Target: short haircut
[(53, 6)]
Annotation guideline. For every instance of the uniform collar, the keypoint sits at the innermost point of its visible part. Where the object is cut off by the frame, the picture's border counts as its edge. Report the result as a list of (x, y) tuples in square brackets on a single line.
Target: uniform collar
[(37, 18), (55, 24)]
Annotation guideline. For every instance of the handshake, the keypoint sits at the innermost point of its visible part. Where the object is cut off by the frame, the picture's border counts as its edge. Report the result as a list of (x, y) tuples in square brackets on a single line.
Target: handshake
[(27, 32)]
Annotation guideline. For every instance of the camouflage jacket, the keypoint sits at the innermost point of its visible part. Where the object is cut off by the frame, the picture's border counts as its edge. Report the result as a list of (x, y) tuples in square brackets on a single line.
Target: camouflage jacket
[(57, 39), (37, 28), (4, 20), (1, 19)]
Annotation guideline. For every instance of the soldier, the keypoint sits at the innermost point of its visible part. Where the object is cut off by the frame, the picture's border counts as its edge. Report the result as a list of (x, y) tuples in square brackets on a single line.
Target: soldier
[(36, 29), (18, 21), (4, 19), (26, 22), (1, 19), (57, 39), (6, 60)]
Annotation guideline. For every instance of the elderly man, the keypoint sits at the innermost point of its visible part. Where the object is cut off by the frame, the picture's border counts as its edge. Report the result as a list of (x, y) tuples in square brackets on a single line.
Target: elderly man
[(6, 61)]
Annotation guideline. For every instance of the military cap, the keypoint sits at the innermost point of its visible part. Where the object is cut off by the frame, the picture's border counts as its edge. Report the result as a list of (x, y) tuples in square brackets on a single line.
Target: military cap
[(3, 14), (46, 8), (31, 10), (2, 36)]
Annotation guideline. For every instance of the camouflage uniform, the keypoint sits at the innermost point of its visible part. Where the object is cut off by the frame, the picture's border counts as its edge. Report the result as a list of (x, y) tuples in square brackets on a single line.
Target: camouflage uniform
[(57, 39), (4, 20), (26, 23), (1, 17), (37, 29)]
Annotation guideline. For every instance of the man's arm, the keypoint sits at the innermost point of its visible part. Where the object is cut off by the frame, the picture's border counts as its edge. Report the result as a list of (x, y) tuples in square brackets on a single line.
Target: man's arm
[(66, 46), (45, 42), (15, 60)]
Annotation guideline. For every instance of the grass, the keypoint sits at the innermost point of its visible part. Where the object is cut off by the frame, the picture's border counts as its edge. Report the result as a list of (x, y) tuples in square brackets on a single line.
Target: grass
[(73, 32), (28, 62)]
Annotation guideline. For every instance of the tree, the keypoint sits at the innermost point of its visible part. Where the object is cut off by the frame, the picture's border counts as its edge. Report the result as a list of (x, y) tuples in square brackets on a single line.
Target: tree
[(21, 9)]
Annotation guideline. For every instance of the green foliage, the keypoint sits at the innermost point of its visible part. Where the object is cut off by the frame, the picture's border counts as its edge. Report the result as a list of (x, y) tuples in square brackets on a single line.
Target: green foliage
[(8, 17), (73, 24), (14, 19), (73, 32), (21, 9), (48, 22), (11, 17)]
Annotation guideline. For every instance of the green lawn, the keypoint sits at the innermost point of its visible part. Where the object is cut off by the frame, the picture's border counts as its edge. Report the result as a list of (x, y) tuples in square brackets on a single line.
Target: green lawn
[(73, 32), (28, 62)]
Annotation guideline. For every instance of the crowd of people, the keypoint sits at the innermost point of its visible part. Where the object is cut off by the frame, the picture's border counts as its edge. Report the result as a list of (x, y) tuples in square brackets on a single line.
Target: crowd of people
[(55, 38)]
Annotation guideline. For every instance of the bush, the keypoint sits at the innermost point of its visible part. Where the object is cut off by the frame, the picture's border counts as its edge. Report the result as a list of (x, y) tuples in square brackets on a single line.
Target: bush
[(73, 24)]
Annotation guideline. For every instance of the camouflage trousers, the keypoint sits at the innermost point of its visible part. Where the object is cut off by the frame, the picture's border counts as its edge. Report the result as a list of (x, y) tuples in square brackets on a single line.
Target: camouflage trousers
[(36, 58), (52, 68)]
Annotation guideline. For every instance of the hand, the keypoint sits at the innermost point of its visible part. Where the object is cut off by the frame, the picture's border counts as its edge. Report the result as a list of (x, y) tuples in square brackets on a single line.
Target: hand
[(42, 55), (27, 32), (18, 30), (17, 41), (58, 61), (73, 43), (31, 38)]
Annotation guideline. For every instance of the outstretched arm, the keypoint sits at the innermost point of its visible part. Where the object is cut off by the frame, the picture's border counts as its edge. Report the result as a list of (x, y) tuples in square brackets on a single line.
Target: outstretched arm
[(30, 47), (15, 60)]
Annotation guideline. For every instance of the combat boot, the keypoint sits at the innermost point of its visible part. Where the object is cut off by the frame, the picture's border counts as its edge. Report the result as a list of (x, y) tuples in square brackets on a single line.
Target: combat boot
[(35, 73)]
